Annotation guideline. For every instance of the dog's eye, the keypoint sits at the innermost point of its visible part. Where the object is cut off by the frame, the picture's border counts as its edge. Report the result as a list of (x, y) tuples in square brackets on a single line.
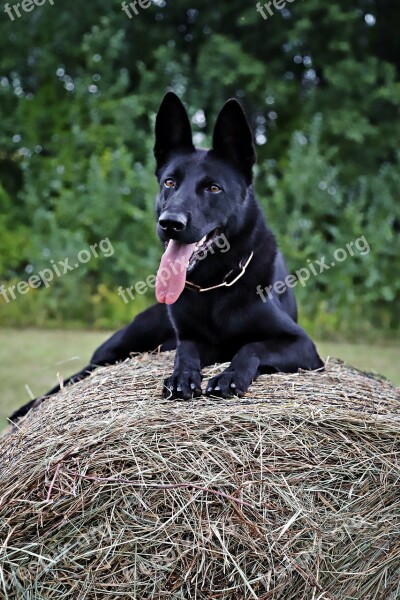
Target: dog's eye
[(214, 188), (169, 183)]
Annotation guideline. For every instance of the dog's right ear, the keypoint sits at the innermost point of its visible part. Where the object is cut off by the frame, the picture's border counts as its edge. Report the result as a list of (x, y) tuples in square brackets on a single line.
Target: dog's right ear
[(173, 131)]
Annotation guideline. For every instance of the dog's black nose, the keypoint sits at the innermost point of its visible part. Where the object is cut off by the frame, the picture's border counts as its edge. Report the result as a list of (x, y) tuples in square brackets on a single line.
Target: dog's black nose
[(172, 222)]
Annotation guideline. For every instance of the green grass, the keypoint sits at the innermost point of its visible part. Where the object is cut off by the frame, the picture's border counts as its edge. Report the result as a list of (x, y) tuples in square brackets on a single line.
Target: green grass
[(30, 360), (382, 359), (33, 358)]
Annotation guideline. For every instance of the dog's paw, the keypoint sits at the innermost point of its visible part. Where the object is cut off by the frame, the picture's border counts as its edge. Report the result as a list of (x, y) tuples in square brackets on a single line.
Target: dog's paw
[(228, 384), (183, 385)]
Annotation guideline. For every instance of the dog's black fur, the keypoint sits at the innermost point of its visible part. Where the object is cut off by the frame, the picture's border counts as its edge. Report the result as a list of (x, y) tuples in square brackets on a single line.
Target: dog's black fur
[(202, 191)]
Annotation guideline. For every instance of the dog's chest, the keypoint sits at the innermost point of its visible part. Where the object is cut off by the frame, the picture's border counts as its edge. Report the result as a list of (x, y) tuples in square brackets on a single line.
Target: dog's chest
[(207, 317)]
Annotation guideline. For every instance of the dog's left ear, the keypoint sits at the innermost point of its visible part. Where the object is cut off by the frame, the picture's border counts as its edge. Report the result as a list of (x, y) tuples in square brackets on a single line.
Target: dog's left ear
[(233, 139)]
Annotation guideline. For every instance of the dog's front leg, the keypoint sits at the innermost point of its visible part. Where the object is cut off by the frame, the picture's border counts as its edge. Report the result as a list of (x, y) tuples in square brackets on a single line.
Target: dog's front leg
[(185, 381), (242, 371), (264, 357)]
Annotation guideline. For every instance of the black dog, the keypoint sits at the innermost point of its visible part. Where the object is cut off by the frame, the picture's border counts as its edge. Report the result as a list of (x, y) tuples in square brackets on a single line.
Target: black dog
[(219, 251)]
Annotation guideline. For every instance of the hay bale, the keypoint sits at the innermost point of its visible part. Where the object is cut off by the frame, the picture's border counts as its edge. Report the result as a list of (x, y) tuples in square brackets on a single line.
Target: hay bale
[(108, 491)]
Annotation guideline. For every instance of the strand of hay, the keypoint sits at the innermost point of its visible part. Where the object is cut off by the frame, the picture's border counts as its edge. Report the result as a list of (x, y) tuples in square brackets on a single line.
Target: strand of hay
[(108, 491)]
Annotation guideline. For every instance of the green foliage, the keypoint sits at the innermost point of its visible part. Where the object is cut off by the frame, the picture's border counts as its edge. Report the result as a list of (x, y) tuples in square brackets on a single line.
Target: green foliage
[(79, 87), (315, 214)]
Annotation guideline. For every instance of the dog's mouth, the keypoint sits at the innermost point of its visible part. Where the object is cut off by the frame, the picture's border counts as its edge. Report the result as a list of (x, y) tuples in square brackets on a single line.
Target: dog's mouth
[(203, 248), (177, 261)]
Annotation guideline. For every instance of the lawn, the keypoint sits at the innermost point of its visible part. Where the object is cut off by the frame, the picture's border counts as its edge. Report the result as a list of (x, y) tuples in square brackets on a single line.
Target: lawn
[(30, 360)]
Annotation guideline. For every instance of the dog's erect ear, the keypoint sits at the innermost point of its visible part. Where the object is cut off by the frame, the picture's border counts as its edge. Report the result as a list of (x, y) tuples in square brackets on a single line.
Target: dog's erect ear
[(173, 130), (233, 139)]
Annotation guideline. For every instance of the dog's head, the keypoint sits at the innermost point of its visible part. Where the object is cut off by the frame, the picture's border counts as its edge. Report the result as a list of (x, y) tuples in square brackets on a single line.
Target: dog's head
[(202, 192)]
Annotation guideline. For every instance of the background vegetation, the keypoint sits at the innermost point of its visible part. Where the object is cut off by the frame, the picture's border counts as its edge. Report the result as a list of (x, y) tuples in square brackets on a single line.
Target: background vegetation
[(79, 87)]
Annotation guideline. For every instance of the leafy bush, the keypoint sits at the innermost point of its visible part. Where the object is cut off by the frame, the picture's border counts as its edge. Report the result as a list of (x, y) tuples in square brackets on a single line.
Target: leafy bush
[(314, 215)]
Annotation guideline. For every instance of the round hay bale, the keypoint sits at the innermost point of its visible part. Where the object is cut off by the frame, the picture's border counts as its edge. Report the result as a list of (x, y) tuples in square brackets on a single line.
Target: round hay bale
[(108, 491)]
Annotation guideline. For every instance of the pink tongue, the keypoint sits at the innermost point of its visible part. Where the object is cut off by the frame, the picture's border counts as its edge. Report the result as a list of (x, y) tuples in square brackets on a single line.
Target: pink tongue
[(171, 275)]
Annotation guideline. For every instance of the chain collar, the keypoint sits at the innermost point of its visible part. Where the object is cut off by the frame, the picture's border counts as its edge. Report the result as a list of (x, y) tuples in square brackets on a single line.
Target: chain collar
[(225, 283)]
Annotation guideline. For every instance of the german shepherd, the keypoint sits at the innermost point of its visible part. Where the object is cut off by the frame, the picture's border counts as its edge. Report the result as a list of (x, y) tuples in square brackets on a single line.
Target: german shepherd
[(218, 253)]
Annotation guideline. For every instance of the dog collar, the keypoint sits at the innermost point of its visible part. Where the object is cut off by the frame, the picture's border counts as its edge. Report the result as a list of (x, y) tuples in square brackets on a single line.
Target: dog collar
[(225, 282)]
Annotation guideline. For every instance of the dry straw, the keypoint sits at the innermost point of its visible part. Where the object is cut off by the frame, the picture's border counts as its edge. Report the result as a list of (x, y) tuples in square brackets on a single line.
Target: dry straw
[(109, 492)]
